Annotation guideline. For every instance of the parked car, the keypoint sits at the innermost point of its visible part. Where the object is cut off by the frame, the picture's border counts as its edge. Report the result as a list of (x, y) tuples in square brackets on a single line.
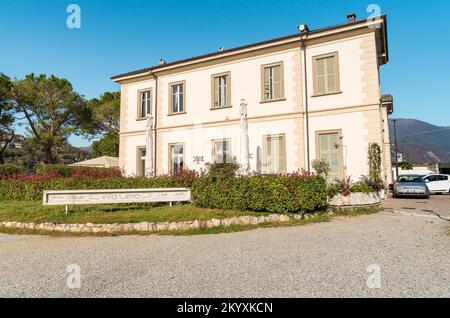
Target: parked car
[(421, 173), (411, 185), (438, 183)]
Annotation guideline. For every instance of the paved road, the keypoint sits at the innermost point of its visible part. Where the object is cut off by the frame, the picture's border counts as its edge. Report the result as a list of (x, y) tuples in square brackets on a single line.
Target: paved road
[(316, 260), (438, 204)]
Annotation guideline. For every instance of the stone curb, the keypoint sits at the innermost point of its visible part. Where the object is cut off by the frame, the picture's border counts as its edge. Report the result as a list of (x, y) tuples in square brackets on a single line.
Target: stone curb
[(151, 227)]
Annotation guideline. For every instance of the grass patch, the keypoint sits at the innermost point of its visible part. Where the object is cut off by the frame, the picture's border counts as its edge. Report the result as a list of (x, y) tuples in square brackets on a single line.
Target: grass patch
[(355, 212), (35, 212), (202, 231), (132, 213)]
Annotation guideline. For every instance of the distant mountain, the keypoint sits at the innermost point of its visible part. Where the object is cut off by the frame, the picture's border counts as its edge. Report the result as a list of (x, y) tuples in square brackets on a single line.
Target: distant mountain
[(87, 150), (420, 142)]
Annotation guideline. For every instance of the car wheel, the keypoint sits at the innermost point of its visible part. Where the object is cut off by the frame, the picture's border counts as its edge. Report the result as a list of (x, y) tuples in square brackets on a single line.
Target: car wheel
[(427, 196)]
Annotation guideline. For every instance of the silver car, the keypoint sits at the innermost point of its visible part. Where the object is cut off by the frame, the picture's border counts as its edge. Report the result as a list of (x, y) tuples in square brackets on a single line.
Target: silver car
[(411, 185)]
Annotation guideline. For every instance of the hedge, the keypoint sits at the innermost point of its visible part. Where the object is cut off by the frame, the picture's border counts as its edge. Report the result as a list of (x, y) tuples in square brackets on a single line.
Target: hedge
[(260, 193), (74, 171), (6, 170), (280, 194), (31, 187)]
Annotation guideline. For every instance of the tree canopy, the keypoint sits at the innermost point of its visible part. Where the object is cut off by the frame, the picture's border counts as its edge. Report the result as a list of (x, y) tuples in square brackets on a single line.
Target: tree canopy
[(52, 109), (6, 115), (105, 115)]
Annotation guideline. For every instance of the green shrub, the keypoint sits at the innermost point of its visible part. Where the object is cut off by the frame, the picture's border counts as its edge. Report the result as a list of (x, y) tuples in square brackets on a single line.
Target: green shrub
[(32, 187), (74, 171), (7, 170), (280, 194), (271, 193), (361, 187), (346, 186), (222, 170)]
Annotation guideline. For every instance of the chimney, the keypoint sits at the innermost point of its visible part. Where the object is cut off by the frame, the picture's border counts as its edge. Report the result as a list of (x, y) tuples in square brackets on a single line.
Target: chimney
[(162, 61), (351, 17)]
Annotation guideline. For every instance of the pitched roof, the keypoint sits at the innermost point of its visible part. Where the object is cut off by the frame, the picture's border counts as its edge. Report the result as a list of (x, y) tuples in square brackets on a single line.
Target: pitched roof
[(225, 52)]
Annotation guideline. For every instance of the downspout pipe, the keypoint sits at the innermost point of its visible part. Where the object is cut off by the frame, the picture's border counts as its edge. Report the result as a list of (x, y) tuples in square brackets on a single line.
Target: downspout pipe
[(155, 123), (303, 48)]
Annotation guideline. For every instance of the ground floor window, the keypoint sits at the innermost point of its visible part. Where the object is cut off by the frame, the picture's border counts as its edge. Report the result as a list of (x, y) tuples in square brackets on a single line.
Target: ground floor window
[(328, 148), (274, 159), (176, 156), (141, 153), (222, 151)]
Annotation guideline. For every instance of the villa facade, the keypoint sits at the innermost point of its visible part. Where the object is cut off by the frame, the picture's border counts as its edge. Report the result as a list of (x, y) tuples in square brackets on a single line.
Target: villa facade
[(312, 95)]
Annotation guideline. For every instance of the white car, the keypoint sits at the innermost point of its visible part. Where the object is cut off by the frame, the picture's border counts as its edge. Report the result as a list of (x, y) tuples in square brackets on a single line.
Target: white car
[(438, 183)]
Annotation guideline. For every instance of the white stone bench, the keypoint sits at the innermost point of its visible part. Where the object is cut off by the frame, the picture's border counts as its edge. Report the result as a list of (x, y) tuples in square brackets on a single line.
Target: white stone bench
[(115, 196)]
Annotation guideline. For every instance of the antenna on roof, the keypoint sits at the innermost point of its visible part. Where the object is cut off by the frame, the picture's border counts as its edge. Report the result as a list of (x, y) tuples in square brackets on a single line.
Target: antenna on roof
[(162, 62), (221, 49)]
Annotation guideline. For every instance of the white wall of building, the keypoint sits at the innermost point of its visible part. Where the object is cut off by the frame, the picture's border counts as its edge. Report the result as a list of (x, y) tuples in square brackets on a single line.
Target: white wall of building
[(200, 124)]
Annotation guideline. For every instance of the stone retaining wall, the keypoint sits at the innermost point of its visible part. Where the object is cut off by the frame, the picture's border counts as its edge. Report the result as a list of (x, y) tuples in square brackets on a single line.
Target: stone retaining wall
[(151, 226), (356, 199)]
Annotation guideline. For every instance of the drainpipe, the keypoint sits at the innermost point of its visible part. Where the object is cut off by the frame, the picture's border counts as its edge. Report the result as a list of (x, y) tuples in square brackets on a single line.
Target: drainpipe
[(155, 124), (303, 48)]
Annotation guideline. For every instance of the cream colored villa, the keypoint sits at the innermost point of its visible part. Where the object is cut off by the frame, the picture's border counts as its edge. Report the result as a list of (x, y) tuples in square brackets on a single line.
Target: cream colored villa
[(314, 94)]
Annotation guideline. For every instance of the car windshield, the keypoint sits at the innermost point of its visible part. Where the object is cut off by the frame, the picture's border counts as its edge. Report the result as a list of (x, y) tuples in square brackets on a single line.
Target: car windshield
[(410, 178)]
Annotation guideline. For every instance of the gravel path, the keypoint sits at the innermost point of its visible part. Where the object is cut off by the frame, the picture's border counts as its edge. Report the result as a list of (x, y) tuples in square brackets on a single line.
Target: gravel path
[(325, 260)]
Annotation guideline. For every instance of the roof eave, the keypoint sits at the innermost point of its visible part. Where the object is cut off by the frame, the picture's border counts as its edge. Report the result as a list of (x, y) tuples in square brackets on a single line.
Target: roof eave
[(293, 37)]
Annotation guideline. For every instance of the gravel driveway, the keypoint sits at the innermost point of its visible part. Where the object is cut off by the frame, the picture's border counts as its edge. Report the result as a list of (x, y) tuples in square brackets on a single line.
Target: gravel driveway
[(438, 204), (316, 260)]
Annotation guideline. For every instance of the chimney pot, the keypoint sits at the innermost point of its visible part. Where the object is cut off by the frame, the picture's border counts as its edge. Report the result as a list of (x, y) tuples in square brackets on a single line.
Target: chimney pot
[(351, 17)]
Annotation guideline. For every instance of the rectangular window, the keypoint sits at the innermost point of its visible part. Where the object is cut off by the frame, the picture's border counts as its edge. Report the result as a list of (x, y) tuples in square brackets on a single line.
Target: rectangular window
[(177, 98), (176, 153), (144, 104), (221, 90), (222, 151), (272, 82), (274, 160), (329, 149), (326, 74), (140, 171)]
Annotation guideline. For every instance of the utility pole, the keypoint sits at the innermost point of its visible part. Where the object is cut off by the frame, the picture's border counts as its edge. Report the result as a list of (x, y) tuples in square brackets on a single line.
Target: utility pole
[(396, 150)]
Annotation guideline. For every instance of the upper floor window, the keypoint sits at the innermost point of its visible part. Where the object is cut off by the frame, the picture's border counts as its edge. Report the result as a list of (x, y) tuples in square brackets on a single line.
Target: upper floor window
[(272, 82), (145, 107), (274, 160), (177, 98), (222, 151), (221, 90), (326, 74)]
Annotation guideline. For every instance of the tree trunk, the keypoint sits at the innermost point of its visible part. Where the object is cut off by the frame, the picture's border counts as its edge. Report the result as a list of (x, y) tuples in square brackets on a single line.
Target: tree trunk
[(49, 157)]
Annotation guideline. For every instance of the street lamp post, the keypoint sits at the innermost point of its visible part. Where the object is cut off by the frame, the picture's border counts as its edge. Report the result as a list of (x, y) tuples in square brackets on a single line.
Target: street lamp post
[(395, 146)]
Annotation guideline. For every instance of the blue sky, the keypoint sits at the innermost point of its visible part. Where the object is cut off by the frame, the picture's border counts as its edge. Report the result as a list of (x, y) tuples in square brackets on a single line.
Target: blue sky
[(120, 36)]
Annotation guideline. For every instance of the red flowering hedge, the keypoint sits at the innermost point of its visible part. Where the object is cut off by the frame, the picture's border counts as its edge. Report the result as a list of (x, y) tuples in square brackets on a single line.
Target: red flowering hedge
[(294, 192), (271, 193), (75, 172), (31, 187)]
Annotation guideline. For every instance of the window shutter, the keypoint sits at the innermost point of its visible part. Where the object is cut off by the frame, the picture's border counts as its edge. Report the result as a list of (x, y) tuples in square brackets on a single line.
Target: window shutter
[(276, 73), (320, 76), (216, 92), (267, 83)]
